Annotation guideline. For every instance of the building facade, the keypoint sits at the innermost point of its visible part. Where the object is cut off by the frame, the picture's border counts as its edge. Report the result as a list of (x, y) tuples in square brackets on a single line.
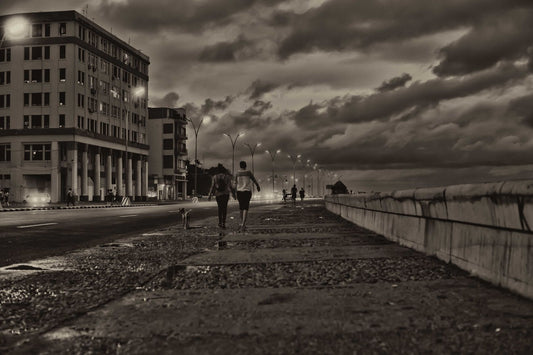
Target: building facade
[(167, 136), (73, 109)]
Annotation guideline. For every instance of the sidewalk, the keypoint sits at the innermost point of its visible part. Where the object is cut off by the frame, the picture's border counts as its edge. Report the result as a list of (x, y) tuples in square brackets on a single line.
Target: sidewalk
[(300, 280)]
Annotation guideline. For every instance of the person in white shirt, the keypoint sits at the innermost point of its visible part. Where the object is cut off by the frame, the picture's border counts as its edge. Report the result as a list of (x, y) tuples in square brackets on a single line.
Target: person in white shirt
[(243, 180)]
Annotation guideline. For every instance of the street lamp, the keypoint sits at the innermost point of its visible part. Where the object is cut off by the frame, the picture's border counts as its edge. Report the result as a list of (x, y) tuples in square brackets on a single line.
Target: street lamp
[(273, 157), (233, 143), (15, 28), (252, 152), (205, 120), (294, 160)]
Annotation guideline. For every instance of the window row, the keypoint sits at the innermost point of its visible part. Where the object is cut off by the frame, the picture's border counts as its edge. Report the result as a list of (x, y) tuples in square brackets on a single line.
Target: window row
[(5, 122), (37, 151), (5, 77), (5, 101)]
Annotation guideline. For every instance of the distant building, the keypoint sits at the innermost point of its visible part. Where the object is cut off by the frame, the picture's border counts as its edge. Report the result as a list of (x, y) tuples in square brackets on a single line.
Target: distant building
[(167, 136), (73, 109)]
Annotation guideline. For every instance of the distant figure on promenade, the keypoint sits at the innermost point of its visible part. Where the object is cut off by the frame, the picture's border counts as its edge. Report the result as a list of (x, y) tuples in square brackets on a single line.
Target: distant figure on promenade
[(302, 194), (221, 187), (243, 180), (6, 197), (284, 195), (70, 197), (1, 197), (294, 192)]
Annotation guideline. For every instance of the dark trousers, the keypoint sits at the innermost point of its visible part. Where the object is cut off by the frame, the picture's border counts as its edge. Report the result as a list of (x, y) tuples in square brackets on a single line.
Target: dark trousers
[(222, 202)]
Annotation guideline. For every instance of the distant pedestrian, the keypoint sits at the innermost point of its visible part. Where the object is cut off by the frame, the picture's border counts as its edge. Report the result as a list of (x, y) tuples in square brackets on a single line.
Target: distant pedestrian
[(70, 197), (6, 197), (284, 195), (1, 197), (302, 194), (221, 187), (243, 181), (294, 192)]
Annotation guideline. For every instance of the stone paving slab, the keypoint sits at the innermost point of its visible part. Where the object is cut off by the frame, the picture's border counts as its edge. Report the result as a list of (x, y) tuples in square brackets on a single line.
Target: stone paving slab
[(239, 256), (185, 317)]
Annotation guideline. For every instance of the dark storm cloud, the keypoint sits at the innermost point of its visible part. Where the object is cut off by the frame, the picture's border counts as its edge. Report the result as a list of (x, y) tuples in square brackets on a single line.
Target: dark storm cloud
[(185, 15), (394, 83), (503, 37), (224, 51), (522, 107), (258, 108), (383, 105), (169, 100), (259, 88), (211, 105), (346, 24)]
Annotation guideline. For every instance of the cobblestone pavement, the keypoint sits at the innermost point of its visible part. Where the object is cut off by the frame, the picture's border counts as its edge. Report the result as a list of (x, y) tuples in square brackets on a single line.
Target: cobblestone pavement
[(300, 280)]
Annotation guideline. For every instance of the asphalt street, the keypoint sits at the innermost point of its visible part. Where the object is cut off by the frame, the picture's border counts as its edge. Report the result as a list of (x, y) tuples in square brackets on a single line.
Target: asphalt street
[(28, 235)]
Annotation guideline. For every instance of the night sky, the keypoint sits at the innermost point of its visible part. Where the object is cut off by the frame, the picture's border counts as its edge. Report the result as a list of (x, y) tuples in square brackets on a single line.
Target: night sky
[(388, 94)]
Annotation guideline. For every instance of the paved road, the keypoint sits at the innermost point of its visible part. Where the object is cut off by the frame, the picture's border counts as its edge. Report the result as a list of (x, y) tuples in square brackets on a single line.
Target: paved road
[(28, 235)]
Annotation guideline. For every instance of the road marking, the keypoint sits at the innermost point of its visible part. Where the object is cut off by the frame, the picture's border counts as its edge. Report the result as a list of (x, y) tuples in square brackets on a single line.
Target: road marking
[(37, 225), (129, 215)]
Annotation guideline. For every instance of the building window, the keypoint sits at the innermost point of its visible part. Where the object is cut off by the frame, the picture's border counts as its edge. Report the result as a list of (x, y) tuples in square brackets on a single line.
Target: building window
[(62, 98), (168, 161), (5, 55), (81, 122), (81, 77), (62, 74), (47, 30), (36, 121), (5, 152), (47, 52), (61, 121), (81, 55), (37, 30), (62, 52), (81, 100), (36, 53), (36, 152), (168, 144), (5, 101), (62, 28), (4, 122), (36, 99), (168, 128), (5, 77)]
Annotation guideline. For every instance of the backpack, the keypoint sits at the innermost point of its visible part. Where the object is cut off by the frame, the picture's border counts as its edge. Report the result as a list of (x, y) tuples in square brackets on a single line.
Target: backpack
[(220, 183)]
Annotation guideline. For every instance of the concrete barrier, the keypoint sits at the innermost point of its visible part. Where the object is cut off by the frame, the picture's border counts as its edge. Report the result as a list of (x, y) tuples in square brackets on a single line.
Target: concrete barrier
[(485, 229)]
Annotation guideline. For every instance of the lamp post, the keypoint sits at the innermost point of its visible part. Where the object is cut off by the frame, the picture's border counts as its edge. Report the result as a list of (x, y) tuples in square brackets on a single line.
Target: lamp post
[(196, 129), (273, 157), (233, 143), (252, 152), (294, 160)]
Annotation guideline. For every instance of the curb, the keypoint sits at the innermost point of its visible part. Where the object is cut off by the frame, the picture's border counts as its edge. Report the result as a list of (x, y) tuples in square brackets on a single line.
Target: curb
[(18, 209)]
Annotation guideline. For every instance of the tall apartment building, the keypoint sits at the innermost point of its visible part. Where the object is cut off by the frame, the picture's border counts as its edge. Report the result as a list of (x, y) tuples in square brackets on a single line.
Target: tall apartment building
[(167, 136), (73, 109)]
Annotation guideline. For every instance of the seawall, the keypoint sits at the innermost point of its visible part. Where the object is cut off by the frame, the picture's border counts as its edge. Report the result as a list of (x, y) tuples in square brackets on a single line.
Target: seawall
[(485, 229)]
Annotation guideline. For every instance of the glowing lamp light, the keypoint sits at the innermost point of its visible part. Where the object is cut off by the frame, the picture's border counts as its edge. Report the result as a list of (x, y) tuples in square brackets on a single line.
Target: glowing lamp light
[(139, 91), (16, 28)]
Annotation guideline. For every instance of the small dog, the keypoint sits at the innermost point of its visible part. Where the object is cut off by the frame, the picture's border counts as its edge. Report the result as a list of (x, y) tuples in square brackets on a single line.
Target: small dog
[(185, 218)]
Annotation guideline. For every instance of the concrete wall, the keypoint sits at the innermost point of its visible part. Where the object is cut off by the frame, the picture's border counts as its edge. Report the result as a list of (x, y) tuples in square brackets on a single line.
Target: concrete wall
[(485, 229)]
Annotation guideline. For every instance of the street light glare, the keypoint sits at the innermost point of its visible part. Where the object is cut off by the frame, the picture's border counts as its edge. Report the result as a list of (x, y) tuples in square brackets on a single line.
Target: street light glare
[(16, 28), (278, 151), (206, 120), (139, 91)]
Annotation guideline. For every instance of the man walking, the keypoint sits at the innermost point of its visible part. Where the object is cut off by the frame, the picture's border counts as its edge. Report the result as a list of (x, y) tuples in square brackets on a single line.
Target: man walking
[(294, 191), (70, 197), (302, 194), (244, 179), (221, 187)]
